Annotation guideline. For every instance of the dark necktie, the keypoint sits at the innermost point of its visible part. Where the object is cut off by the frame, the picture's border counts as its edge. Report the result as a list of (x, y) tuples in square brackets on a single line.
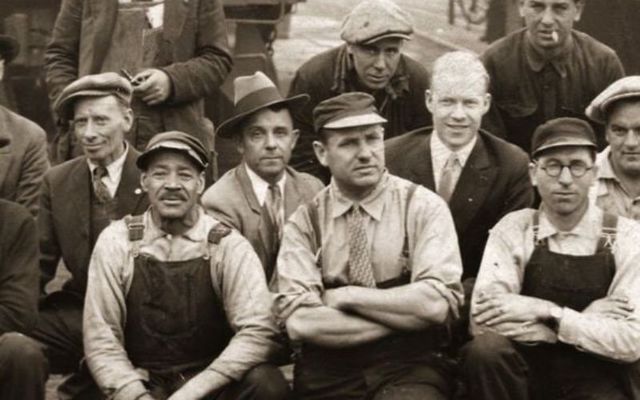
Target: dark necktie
[(273, 204), (360, 269), (99, 188)]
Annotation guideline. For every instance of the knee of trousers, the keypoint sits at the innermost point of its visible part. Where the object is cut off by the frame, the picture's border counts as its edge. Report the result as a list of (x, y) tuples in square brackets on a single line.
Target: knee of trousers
[(21, 352), (268, 382), (487, 349)]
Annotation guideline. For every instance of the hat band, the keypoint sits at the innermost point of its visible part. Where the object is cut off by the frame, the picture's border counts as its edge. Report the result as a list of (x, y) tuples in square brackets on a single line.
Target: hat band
[(257, 99)]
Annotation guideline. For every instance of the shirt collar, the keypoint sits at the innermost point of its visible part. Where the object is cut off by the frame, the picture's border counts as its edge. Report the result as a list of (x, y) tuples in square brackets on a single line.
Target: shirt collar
[(605, 169), (198, 233), (260, 186), (537, 61), (114, 170), (589, 226), (373, 204), (442, 152)]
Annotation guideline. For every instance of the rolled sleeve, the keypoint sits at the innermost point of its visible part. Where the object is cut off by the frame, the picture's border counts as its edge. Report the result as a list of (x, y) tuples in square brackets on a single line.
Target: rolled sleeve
[(238, 277), (299, 276)]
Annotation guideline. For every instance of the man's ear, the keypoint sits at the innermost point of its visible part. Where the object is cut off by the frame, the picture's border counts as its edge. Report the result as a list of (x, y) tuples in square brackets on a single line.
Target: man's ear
[(428, 96), (321, 152), (295, 134), (128, 119), (238, 138), (143, 181), (201, 182), (487, 103), (580, 9), (532, 174)]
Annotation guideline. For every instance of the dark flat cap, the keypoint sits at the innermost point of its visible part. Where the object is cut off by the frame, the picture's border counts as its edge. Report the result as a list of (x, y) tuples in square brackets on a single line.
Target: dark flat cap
[(625, 88), (9, 48), (106, 84), (562, 132), (347, 110), (175, 141), (373, 20)]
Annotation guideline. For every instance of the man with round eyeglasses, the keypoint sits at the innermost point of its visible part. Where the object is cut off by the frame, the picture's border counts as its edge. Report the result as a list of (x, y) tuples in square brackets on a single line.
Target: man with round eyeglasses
[(553, 309)]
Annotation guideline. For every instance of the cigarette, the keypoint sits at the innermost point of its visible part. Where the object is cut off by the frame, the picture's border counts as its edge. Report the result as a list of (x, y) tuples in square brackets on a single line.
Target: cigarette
[(554, 36)]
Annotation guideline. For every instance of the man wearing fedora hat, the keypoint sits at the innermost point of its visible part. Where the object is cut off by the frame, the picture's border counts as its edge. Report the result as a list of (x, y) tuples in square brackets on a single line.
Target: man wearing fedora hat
[(259, 195), (617, 189), (554, 309), (368, 272), (23, 147), (80, 198), (371, 60), (177, 304)]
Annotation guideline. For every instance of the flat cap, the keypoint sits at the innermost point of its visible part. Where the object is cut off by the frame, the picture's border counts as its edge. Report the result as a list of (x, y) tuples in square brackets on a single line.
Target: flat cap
[(623, 88), (373, 20), (175, 141), (562, 132), (9, 48), (108, 83), (347, 110)]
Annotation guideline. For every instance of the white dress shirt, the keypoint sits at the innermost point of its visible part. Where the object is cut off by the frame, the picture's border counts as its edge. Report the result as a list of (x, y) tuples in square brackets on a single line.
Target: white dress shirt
[(261, 188), (114, 171)]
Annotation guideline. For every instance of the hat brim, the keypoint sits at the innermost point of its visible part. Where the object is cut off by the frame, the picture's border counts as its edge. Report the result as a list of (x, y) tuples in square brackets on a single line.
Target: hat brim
[(227, 128), (601, 112), (394, 35), (355, 120), (143, 159), (574, 142), (9, 48)]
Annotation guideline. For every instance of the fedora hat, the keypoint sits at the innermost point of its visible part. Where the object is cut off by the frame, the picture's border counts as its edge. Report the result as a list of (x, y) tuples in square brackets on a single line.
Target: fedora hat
[(9, 48), (253, 93)]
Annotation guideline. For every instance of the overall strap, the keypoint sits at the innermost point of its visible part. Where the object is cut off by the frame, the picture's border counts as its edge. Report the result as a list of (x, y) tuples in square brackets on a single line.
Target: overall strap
[(608, 232), (535, 226), (135, 227), (405, 244)]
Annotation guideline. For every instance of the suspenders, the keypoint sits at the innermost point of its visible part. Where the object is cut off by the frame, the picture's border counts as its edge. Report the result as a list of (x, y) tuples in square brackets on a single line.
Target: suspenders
[(608, 231)]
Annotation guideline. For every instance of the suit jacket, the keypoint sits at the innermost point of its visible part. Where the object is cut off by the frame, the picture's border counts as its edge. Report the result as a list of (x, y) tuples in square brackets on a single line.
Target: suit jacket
[(64, 220), (23, 159), (493, 182), (233, 201), (193, 52)]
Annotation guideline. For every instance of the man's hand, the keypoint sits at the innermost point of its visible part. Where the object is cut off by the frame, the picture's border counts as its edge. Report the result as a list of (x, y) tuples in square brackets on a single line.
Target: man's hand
[(496, 308), (336, 298), (152, 85), (616, 306)]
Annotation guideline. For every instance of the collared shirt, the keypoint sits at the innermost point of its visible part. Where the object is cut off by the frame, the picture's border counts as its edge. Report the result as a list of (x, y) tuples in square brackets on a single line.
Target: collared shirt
[(114, 171), (261, 188), (238, 279), (440, 154), (509, 249), (608, 192), (434, 258), (528, 89)]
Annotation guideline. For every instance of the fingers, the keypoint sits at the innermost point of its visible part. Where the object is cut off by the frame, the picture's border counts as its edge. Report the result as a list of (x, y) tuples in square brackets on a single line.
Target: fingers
[(490, 314)]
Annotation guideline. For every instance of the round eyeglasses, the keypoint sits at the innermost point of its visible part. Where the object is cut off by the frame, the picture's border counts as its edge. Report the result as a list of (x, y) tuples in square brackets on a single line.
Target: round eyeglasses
[(577, 169)]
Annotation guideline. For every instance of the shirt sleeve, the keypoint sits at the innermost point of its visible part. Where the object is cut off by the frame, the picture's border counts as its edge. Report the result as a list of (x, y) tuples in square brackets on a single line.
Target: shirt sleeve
[(105, 316), (238, 277), (299, 277), (614, 339), (436, 256)]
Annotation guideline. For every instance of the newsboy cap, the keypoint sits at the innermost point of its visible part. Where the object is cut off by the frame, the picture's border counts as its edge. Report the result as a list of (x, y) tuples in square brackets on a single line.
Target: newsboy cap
[(347, 110), (9, 48), (562, 132), (624, 88), (191, 146), (108, 83), (373, 20)]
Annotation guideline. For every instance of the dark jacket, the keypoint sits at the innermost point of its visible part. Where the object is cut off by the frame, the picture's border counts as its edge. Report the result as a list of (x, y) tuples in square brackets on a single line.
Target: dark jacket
[(193, 52), (493, 182), (18, 269), (322, 77), (64, 220)]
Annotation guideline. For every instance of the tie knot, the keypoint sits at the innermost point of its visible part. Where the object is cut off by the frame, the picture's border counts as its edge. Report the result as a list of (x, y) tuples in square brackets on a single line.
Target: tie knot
[(100, 172), (452, 161)]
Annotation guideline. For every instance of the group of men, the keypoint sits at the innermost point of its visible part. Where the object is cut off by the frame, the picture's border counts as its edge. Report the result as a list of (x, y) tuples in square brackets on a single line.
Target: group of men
[(369, 285)]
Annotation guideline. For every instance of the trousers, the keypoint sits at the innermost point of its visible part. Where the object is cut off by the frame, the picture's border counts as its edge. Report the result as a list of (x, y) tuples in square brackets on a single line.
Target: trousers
[(23, 368)]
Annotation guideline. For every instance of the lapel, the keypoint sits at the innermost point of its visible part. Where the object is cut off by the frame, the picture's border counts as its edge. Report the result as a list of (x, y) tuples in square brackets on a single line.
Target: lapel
[(79, 193), (104, 12), (292, 197), (421, 164), (175, 15), (129, 193), (5, 151), (474, 184), (252, 200)]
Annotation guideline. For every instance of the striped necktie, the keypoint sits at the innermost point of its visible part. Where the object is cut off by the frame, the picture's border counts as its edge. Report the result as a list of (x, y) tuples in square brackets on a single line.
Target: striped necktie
[(360, 269), (99, 187)]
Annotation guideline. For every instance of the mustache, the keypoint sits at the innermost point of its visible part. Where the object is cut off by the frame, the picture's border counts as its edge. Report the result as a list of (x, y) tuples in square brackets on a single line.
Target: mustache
[(173, 195)]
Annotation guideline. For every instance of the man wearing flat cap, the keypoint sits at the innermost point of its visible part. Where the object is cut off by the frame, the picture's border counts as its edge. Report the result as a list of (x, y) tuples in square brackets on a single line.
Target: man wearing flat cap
[(174, 51), (617, 189), (553, 308), (23, 147), (368, 272), (371, 60), (79, 199), (177, 303), (546, 70), (259, 195)]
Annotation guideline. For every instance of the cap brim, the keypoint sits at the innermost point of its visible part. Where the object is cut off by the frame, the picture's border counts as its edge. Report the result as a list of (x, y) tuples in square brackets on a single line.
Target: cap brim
[(143, 159), (62, 108), (602, 110), (355, 120), (227, 128), (394, 35), (568, 143)]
